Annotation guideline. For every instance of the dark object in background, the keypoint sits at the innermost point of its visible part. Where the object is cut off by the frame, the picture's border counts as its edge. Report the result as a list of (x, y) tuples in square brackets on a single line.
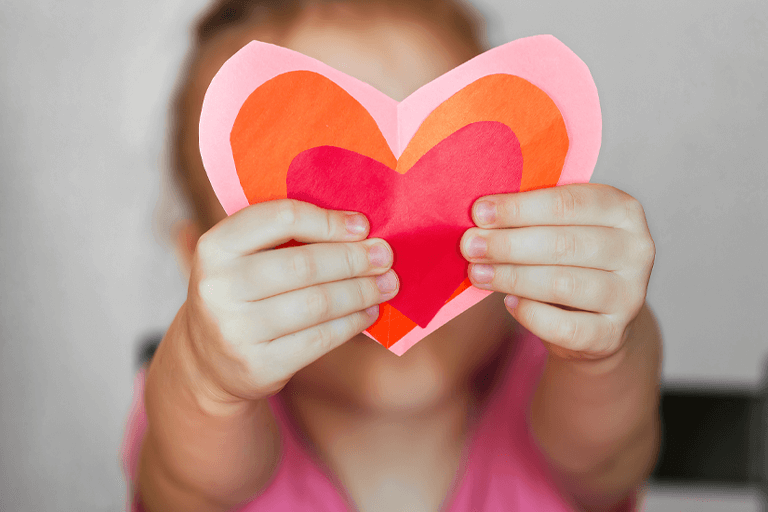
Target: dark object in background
[(710, 436), (714, 438), (147, 348)]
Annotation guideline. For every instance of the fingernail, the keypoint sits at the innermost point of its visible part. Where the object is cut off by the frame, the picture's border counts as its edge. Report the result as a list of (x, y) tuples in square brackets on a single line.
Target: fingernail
[(387, 283), (355, 223), (379, 255), (485, 212), (482, 274), (477, 247), (511, 301), (373, 311)]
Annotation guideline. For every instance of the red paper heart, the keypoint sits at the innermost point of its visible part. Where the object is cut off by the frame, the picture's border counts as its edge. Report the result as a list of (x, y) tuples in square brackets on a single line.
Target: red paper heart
[(423, 213)]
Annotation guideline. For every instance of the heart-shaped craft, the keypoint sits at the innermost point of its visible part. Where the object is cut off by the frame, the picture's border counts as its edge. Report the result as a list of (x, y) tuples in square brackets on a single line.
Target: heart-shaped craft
[(525, 115)]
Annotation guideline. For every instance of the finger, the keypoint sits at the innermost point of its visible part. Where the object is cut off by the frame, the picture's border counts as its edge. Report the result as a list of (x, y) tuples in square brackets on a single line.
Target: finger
[(577, 332), (578, 246), (272, 223), (298, 310), (299, 349), (579, 204), (270, 273), (580, 288)]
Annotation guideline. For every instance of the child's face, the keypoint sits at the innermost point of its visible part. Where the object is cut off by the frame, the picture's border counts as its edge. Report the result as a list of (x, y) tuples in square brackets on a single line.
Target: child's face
[(397, 56)]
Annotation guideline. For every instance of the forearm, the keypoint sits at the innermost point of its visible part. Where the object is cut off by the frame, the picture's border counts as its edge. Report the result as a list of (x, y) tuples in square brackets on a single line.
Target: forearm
[(198, 454), (598, 421)]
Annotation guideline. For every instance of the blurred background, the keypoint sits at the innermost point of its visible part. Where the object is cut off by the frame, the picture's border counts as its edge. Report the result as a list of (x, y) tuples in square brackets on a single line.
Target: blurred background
[(87, 271)]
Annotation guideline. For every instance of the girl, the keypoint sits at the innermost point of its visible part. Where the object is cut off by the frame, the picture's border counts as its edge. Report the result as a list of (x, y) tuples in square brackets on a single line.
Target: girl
[(264, 395)]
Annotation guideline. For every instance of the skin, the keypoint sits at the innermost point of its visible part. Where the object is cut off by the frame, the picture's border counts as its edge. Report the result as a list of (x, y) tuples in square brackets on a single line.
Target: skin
[(577, 258)]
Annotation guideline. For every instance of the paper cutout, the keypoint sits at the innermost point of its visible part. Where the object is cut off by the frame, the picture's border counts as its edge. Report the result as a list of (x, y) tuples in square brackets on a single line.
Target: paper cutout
[(422, 214), (293, 112), (532, 115), (317, 112), (314, 98), (562, 83), (399, 333), (537, 119)]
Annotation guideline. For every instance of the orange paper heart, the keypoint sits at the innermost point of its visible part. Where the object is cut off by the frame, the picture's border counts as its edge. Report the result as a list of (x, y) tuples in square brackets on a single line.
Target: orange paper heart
[(300, 110)]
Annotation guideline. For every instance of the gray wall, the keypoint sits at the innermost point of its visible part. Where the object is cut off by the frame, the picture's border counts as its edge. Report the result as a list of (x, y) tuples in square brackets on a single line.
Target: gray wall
[(83, 92), (84, 271)]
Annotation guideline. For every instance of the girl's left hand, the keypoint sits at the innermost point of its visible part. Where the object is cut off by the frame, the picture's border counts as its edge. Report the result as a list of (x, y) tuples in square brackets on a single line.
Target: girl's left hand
[(575, 261)]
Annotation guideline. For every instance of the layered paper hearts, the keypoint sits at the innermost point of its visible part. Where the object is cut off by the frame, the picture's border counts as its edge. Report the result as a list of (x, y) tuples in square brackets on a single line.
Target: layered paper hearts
[(522, 116)]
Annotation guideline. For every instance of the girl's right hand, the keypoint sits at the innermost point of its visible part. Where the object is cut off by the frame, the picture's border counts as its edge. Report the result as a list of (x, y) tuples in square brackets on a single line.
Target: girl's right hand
[(256, 315)]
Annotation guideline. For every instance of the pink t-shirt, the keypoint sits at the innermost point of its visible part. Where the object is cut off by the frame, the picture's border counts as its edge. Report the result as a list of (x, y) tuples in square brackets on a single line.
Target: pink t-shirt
[(501, 470)]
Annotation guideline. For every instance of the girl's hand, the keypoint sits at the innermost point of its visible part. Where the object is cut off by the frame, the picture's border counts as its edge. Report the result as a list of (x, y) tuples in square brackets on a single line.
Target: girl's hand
[(575, 261), (256, 315)]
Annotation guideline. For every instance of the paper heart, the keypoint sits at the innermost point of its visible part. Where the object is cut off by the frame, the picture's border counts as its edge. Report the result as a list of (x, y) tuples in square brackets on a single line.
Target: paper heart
[(267, 105), (422, 214)]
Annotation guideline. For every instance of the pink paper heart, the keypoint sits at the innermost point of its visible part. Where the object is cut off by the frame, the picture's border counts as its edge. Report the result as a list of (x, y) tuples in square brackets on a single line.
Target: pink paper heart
[(541, 60)]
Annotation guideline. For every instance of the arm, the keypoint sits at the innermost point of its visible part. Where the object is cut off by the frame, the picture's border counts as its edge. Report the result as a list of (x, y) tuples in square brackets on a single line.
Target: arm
[(575, 261), (254, 316), (200, 454), (598, 421)]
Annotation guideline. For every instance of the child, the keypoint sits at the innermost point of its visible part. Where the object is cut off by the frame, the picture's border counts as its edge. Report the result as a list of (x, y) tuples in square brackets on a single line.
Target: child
[(264, 395)]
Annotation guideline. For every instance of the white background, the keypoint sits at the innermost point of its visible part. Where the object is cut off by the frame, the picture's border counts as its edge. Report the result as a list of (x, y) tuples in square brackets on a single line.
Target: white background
[(85, 271)]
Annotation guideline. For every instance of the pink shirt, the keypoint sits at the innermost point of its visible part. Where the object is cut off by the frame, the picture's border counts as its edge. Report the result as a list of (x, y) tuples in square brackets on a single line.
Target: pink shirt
[(501, 470)]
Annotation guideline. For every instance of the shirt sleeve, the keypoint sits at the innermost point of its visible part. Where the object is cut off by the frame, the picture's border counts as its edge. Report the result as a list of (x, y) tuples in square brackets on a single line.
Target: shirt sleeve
[(133, 437)]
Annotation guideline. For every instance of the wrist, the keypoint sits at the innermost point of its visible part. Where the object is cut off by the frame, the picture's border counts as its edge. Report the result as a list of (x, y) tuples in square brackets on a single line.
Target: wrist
[(613, 361), (192, 376), (594, 366), (634, 367)]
